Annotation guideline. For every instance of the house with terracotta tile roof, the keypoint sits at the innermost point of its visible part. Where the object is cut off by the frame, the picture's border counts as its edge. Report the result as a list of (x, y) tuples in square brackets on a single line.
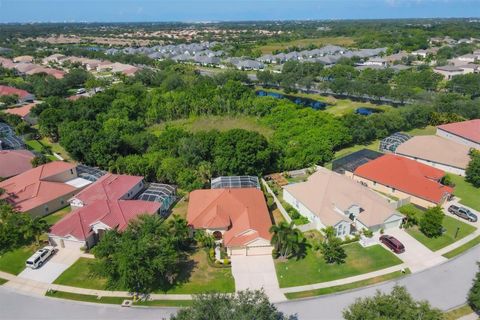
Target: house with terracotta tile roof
[(441, 153), (14, 162), (23, 95), (237, 217), (109, 187), (329, 199), (465, 132), (104, 205), (404, 178), (44, 189), (85, 226), (23, 112)]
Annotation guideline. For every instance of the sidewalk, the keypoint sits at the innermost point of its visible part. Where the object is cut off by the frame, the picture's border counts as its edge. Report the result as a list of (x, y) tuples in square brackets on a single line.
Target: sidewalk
[(458, 243), (343, 281)]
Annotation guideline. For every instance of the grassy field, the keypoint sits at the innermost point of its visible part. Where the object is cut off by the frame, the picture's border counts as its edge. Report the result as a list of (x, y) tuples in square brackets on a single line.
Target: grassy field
[(468, 194), (302, 43), (349, 286), (313, 269), (180, 209), (221, 123), (427, 131), (57, 215), (196, 277), (447, 238), (14, 261), (56, 147), (458, 313), (116, 300), (470, 244)]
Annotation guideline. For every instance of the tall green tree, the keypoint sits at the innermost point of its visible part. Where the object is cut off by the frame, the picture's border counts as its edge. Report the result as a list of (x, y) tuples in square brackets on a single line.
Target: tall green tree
[(331, 247), (245, 305), (472, 174), (144, 257), (474, 293), (397, 304), (431, 222), (287, 240)]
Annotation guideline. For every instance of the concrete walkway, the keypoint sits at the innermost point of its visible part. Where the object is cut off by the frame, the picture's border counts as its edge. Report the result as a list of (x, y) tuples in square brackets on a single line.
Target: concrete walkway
[(343, 281)]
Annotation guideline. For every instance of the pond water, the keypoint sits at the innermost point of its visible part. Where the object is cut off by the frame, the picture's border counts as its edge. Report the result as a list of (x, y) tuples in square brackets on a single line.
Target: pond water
[(306, 102)]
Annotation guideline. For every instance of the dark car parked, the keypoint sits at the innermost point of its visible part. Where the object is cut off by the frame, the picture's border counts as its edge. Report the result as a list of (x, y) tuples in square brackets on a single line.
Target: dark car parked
[(463, 213), (391, 242)]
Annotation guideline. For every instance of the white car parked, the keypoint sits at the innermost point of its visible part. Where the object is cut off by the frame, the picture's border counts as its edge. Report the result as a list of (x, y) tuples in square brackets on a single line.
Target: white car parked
[(39, 257)]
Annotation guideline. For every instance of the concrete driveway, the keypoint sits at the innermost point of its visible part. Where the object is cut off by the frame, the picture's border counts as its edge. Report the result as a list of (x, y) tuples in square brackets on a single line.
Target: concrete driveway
[(456, 202), (257, 272), (53, 267), (416, 255)]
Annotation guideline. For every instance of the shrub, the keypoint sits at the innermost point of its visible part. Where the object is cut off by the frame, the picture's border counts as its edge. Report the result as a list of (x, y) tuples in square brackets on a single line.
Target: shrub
[(474, 293), (382, 231), (368, 233)]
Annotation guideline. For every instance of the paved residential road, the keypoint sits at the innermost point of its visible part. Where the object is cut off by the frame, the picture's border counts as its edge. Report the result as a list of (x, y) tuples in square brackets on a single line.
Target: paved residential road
[(445, 286)]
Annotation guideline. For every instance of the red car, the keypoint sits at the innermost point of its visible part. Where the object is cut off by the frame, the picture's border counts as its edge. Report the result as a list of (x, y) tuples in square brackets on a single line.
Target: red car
[(391, 242)]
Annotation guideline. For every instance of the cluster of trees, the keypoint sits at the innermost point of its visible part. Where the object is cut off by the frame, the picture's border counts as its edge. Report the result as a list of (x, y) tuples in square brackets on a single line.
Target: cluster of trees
[(111, 129), (144, 257), (472, 174), (17, 229)]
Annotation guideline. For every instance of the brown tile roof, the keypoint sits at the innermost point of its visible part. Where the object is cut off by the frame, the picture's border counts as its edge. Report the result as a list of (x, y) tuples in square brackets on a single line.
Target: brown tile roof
[(14, 162), (243, 212), (33, 188), (469, 130), (406, 175)]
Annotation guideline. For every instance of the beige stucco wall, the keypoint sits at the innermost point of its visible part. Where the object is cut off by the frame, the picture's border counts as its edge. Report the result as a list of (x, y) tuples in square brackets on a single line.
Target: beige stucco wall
[(452, 137), (51, 206), (396, 193)]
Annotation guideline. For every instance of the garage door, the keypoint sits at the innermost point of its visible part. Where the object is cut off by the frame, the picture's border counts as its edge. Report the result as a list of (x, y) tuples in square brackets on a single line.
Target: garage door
[(256, 251), (69, 244), (393, 224), (239, 252)]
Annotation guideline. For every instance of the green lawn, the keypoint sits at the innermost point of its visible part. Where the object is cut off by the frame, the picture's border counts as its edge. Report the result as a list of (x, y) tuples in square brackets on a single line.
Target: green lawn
[(14, 261), (427, 131), (34, 145), (470, 244), (79, 275), (57, 215), (313, 269), (55, 147), (349, 286), (202, 278), (116, 300), (469, 195), (221, 123), (3, 281), (447, 238)]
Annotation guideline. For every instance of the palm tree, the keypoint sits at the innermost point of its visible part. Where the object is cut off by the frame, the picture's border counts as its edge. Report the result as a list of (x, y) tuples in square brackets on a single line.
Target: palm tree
[(286, 239)]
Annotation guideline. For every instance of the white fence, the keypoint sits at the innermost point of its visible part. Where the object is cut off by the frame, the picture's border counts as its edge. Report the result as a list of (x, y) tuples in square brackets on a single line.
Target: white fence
[(277, 202)]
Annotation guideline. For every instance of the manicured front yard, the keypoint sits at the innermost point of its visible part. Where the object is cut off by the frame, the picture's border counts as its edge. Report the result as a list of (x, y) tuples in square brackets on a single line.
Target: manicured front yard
[(57, 215), (447, 238), (79, 275), (14, 261), (313, 269), (469, 195), (196, 277)]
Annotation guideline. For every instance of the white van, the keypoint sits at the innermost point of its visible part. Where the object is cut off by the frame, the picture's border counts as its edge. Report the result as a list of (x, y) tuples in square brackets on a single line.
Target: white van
[(39, 257)]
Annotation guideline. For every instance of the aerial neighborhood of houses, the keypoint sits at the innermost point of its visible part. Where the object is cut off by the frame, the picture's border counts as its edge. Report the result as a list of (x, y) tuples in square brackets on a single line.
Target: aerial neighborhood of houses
[(364, 200)]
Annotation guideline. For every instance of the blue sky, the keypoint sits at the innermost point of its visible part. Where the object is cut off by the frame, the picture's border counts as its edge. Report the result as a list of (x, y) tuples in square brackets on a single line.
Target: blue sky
[(215, 10)]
